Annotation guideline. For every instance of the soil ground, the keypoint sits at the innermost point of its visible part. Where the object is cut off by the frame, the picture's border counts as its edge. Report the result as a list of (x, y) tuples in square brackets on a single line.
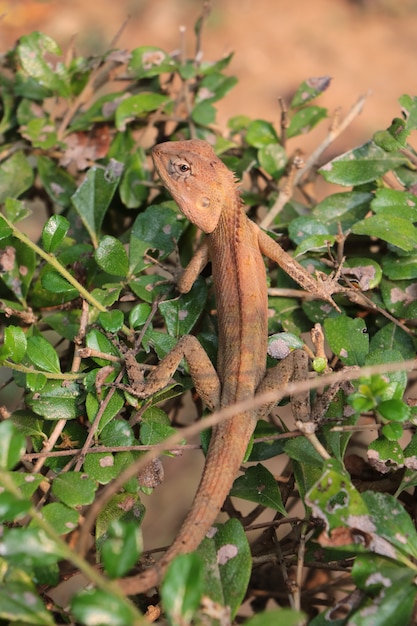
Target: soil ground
[(364, 45)]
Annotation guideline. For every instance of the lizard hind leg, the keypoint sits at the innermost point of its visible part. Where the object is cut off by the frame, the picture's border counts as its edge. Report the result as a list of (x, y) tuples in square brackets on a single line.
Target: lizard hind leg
[(291, 369), (202, 371)]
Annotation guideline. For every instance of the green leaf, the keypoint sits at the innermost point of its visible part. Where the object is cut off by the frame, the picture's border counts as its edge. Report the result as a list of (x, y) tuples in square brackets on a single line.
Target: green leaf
[(31, 51), (258, 485), (42, 354), (395, 230), (393, 338), (147, 61), (16, 176), (306, 226), (390, 591), (273, 158), (181, 313), (57, 182), (132, 192), (113, 406), (117, 433), (27, 484), (19, 602), (361, 165), (261, 133), (94, 607), (111, 256), (334, 499), (16, 210), (182, 588), (101, 467), (139, 314), (93, 196), (111, 321), (12, 445), (125, 507), (74, 489), (392, 201), (29, 547), (385, 455), (228, 565), (62, 519), (12, 507), (156, 228), (394, 410), (98, 341), (399, 267), (56, 400), (345, 208), (203, 113), (278, 617), (392, 522), (155, 426), (367, 273), (19, 262), (122, 547), (65, 323), (305, 119), (54, 282), (54, 232), (214, 86), (40, 132), (310, 89), (14, 346), (348, 339), (394, 138), (392, 431), (261, 451), (136, 106), (409, 108)]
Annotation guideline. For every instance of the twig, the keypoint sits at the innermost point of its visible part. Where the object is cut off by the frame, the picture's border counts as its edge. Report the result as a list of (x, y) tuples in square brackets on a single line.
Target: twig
[(90, 86), (334, 132), (226, 413)]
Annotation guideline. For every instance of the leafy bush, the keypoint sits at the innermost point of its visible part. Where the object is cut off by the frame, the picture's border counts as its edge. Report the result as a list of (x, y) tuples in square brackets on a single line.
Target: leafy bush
[(98, 291)]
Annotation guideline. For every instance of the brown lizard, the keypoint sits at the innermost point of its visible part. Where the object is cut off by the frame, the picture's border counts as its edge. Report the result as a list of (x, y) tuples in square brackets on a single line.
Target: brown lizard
[(206, 193)]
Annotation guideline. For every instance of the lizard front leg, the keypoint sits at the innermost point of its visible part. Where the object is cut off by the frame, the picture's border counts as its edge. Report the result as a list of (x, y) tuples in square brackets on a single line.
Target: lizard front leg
[(319, 288)]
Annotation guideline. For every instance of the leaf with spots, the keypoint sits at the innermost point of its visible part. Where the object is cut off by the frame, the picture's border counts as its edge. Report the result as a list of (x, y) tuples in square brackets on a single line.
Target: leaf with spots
[(347, 338), (228, 563), (361, 165), (19, 602), (63, 519), (257, 484), (74, 489), (392, 522), (390, 591), (181, 313), (158, 228), (182, 588)]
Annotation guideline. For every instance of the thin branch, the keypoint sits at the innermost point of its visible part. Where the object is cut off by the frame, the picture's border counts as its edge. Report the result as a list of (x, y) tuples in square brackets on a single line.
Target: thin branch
[(334, 132), (218, 416)]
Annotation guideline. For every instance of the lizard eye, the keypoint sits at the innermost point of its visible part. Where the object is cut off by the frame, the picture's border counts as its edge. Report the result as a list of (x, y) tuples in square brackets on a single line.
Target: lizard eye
[(184, 168)]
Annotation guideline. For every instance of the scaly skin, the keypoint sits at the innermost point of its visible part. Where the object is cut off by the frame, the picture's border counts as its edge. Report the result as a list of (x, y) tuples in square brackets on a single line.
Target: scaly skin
[(206, 193)]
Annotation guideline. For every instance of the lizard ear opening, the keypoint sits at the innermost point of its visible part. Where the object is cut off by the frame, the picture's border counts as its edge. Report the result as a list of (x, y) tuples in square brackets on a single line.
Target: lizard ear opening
[(203, 203)]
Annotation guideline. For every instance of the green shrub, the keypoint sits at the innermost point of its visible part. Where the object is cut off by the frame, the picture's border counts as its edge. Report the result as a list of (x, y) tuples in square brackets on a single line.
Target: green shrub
[(99, 288)]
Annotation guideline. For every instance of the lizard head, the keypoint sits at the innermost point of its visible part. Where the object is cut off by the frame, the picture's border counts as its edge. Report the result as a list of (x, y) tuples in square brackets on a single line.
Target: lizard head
[(196, 178)]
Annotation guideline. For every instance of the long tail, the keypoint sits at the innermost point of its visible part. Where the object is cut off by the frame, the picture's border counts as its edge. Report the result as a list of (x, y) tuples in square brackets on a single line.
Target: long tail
[(226, 452)]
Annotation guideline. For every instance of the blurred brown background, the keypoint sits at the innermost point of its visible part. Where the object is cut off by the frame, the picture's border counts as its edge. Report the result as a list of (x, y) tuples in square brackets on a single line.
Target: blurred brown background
[(368, 45), (363, 44)]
